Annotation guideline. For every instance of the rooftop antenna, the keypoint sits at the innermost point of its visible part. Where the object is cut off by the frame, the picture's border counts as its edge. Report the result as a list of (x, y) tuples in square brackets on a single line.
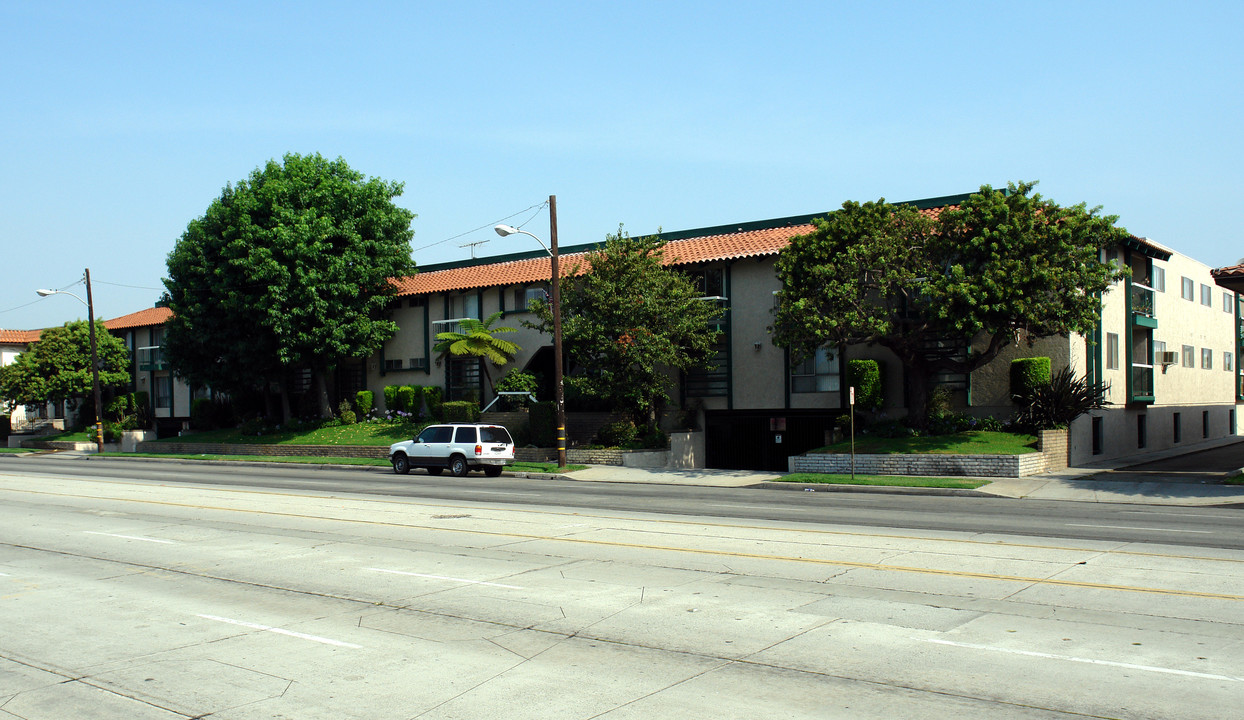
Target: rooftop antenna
[(472, 246)]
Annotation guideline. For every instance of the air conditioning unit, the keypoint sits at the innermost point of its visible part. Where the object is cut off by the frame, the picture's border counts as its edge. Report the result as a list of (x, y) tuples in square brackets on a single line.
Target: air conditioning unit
[(1168, 358)]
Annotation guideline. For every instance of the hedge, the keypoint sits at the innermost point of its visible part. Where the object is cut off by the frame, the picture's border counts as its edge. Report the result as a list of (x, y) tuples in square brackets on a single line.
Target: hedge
[(461, 411), (866, 377), (1028, 374)]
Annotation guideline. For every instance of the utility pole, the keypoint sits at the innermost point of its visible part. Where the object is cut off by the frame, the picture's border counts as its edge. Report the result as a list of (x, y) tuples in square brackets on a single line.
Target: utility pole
[(90, 318), (560, 394)]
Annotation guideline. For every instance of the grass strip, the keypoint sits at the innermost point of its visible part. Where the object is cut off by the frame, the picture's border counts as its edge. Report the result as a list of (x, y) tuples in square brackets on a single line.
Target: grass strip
[(886, 480), (326, 460)]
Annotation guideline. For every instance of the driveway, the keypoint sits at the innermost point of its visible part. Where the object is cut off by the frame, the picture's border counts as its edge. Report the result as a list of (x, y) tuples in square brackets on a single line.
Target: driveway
[(1202, 466)]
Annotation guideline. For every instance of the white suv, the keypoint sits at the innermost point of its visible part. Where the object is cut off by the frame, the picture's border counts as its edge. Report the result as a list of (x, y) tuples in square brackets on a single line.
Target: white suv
[(459, 447)]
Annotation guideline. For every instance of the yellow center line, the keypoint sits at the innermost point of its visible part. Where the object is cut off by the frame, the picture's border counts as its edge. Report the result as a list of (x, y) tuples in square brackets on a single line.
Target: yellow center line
[(694, 551)]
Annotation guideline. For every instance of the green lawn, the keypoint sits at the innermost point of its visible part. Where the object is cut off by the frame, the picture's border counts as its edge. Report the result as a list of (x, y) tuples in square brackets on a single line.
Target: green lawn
[(973, 442), (79, 436), (372, 462), (17, 450), (890, 480), (382, 434)]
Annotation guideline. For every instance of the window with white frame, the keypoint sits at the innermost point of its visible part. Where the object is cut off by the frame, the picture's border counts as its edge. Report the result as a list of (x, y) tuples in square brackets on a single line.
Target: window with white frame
[(1188, 289), (1159, 278), (524, 296), (1112, 351), (1207, 296), (1188, 356), (1228, 361), (1227, 305), (818, 373), (1207, 359)]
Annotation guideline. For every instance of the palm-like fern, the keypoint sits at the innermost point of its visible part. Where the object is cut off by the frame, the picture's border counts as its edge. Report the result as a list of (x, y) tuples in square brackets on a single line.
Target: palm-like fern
[(477, 338)]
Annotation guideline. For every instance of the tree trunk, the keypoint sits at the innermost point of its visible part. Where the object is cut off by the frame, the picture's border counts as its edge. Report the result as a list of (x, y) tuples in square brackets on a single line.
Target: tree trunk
[(918, 394), (320, 387)]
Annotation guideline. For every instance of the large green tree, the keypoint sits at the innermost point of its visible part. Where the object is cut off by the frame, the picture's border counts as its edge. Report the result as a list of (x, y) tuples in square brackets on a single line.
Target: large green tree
[(287, 270), (58, 366), (629, 323), (1004, 266)]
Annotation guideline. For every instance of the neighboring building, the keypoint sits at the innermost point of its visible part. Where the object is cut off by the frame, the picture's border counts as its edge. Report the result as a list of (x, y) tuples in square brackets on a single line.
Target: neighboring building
[(169, 396), (12, 344), (759, 409)]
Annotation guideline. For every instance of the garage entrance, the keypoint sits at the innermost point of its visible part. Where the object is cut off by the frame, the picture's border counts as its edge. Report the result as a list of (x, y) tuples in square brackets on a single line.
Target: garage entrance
[(762, 439)]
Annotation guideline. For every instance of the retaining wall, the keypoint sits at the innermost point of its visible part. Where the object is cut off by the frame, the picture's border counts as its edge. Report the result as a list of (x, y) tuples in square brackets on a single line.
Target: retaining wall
[(1052, 456)]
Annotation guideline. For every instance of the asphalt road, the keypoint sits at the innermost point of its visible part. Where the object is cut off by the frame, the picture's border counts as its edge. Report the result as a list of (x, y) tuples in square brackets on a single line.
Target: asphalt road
[(1218, 527), (167, 591)]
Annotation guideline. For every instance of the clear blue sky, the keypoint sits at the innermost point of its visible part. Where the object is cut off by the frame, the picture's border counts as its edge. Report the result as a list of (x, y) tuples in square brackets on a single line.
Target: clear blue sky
[(121, 122)]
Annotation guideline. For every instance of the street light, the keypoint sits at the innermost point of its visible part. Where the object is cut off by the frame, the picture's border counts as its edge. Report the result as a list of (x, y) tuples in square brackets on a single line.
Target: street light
[(560, 397), (90, 318)]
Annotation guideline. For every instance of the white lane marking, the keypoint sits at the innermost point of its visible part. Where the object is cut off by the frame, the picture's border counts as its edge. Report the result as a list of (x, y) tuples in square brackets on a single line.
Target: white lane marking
[(1128, 527), (279, 631), (5, 575), (131, 537), (1175, 514), (740, 507), (1090, 661), (496, 492), (442, 577)]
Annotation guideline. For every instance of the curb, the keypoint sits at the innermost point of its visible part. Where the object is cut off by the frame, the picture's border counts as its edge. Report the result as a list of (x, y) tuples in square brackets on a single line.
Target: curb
[(874, 489)]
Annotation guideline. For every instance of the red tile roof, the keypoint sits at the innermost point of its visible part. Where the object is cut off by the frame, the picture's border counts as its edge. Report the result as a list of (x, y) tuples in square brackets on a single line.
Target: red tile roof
[(142, 318), (19, 337), (725, 246), (1230, 277)]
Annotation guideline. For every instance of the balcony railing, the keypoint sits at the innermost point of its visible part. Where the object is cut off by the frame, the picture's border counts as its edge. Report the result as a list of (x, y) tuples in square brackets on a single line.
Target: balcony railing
[(151, 358), (1142, 300), (1142, 383)]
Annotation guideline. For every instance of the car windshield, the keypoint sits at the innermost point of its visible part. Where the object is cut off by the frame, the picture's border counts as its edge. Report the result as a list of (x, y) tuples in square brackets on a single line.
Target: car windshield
[(495, 435)]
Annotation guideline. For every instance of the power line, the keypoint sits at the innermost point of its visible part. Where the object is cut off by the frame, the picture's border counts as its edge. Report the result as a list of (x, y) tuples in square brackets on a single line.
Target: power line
[(537, 207)]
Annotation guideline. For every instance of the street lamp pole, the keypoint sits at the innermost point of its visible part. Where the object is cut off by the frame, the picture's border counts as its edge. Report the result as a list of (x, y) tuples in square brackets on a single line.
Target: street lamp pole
[(90, 319), (558, 383)]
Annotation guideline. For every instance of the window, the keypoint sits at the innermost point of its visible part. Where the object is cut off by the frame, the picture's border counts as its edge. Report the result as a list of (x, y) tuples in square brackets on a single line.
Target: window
[(1098, 437), (417, 302), (1227, 305), (819, 373), (1188, 351), (1205, 423), (1112, 351), (523, 296), (1159, 279), (163, 391), (1207, 296), (1207, 359), (1228, 363), (1188, 289), (1159, 347), (465, 435), (1177, 424), (711, 282), (1142, 433)]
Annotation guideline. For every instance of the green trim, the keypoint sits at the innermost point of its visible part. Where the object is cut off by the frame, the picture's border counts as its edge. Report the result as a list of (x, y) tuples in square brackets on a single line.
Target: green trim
[(1144, 321), (1149, 251)]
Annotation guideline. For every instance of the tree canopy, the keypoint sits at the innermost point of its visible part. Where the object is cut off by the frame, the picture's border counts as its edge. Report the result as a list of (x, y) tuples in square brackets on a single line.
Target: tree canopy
[(1002, 267), (58, 366), (628, 322), (291, 268)]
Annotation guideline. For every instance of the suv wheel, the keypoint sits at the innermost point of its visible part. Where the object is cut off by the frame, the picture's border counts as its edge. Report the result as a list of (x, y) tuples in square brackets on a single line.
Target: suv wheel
[(458, 466), (401, 465)]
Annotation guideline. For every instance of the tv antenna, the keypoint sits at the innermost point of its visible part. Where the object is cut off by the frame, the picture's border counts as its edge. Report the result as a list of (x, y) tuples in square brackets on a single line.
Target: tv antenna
[(472, 246)]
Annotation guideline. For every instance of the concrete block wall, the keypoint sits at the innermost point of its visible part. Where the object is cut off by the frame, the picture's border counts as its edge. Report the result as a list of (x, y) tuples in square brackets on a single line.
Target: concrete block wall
[(350, 451)]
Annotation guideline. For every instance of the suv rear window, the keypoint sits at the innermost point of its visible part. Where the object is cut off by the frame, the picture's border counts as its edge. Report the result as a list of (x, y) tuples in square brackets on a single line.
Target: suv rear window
[(465, 435), (495, 435)]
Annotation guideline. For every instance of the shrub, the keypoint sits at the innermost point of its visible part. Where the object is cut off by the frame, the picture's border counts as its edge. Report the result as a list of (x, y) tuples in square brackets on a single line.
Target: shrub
[(112, 431), (201, 414), (461, 411), (434, 397), (939, 403), (1064, 399), (654, 438), (517, 381), (346, 414), (620, 433), (865, 376), (406, 399), (390, 397), (543, 422), (951, 423), (364, 401), (1028, 374), (892, 429), (418, 393)]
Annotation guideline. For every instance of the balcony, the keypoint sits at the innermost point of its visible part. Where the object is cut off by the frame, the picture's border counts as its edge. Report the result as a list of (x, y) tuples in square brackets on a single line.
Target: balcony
[(1142, 384), (151, 358), (1142, 306)]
